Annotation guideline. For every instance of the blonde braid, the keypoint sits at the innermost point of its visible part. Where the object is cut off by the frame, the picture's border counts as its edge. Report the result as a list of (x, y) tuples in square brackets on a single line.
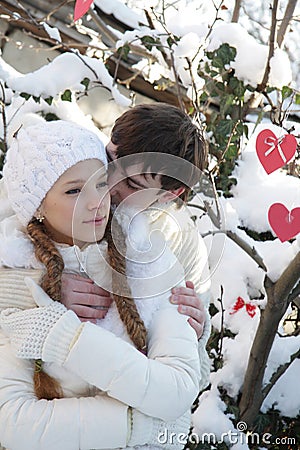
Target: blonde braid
[(45, 386), (125, 304)]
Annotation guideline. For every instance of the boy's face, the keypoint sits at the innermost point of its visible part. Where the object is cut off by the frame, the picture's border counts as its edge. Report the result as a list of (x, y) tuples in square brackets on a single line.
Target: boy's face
[(76, 208), (129, 185)]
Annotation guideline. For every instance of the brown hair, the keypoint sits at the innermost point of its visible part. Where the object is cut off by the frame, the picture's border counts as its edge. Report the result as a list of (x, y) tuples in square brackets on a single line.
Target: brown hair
[(47, 387), (165, 129)]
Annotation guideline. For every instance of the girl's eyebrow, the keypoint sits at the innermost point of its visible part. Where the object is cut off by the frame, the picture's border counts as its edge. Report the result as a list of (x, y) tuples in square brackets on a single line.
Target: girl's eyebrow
[(75, 182), (81, 181)]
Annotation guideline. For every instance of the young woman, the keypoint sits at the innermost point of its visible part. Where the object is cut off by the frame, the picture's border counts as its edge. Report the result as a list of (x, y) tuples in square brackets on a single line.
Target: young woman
[(56, 184)]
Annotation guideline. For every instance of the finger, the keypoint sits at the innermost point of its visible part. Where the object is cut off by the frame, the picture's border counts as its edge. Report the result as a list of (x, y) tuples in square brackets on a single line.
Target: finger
[(196, 326), (188, 300), (194, 313), (76, 277), (39, 295), (181, 290), (78, 298), (190, 284), (90, 289), (85, 312)]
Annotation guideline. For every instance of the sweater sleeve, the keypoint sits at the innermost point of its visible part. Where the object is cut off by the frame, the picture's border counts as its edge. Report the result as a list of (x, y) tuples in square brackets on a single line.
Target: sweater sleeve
[(62, 424), (14, 293)]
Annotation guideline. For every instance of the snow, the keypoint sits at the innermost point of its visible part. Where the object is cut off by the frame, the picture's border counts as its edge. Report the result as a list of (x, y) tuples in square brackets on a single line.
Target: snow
[(121, 12), (48, 82), (52, 32)]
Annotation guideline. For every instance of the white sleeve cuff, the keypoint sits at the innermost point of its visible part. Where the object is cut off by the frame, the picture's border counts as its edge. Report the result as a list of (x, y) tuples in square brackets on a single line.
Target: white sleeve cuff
[(61, 338)]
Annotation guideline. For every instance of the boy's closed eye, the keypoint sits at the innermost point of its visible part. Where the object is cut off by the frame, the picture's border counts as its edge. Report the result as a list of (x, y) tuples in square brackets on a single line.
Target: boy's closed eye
[(129, 184)]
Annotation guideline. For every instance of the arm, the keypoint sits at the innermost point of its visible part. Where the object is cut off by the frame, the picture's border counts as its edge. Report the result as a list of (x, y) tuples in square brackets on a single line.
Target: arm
[(82, 295), (164, 386), (64, 424), (70, 423)]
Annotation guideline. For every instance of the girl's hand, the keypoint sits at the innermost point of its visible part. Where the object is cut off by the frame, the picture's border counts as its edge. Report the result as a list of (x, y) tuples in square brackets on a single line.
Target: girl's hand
[(190, 304)]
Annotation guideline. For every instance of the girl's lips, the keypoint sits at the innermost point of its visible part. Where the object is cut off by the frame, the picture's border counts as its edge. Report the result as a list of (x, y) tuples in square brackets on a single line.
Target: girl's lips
[(96, 220)]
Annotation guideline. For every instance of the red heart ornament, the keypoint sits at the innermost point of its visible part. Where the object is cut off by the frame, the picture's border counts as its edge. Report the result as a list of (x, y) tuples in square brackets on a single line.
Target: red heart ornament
[(81, 7), (274, 152), (284, 223)]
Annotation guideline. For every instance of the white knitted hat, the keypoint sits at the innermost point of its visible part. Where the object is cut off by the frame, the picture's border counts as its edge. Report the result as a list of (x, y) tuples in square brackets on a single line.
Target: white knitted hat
[(39, 155)]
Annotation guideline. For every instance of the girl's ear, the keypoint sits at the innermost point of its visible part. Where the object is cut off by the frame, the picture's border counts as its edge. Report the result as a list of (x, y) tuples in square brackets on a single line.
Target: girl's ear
[(171, 195)]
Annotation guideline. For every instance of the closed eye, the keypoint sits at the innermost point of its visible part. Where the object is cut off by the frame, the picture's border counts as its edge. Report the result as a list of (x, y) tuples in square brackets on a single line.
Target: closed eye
[(130, 186)]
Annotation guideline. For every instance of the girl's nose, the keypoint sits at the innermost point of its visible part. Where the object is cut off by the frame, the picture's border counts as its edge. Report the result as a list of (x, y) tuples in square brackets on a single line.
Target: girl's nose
[(95, 199)]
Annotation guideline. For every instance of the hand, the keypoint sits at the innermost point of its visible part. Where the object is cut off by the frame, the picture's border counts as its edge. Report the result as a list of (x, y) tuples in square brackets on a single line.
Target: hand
[(30, 329), (89, 301), (191, 305)]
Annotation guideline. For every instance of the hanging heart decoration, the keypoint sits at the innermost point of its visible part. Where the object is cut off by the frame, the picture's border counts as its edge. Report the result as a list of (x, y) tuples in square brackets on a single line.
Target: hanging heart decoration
[(274, 152), (284, 223), (81, 7)]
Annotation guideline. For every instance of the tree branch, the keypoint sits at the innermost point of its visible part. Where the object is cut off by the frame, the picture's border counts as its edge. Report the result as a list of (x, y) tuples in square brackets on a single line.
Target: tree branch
[(279, 372), (295, 293), (2, 103), (262, 86), (278, 301), (287, 281), (289, 11), (236, 11)]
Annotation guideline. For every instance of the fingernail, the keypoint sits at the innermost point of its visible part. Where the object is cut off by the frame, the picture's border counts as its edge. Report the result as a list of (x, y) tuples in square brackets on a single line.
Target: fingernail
[(175, 290), (174, 298)]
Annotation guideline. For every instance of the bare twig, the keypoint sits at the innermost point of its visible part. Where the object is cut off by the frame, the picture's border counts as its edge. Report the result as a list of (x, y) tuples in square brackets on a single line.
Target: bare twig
[(279, 372), (251, 251), (220, 344), (2, 104), (217, 167), (262, 86)]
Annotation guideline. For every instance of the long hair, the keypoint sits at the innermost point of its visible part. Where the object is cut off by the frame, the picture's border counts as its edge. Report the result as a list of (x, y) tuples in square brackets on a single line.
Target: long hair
[(121, 291), (45, 386)]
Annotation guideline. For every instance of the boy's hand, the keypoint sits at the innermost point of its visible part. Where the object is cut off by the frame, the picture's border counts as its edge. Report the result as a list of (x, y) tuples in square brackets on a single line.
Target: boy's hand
[(89, 301), (190, 304)]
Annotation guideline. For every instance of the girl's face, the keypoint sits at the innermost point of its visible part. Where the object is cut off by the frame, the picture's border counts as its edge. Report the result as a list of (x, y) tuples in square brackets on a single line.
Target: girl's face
[(76, 208)]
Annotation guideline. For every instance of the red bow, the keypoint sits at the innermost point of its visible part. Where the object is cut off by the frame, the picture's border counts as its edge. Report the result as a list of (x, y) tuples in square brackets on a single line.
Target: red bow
[(250, 308)]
